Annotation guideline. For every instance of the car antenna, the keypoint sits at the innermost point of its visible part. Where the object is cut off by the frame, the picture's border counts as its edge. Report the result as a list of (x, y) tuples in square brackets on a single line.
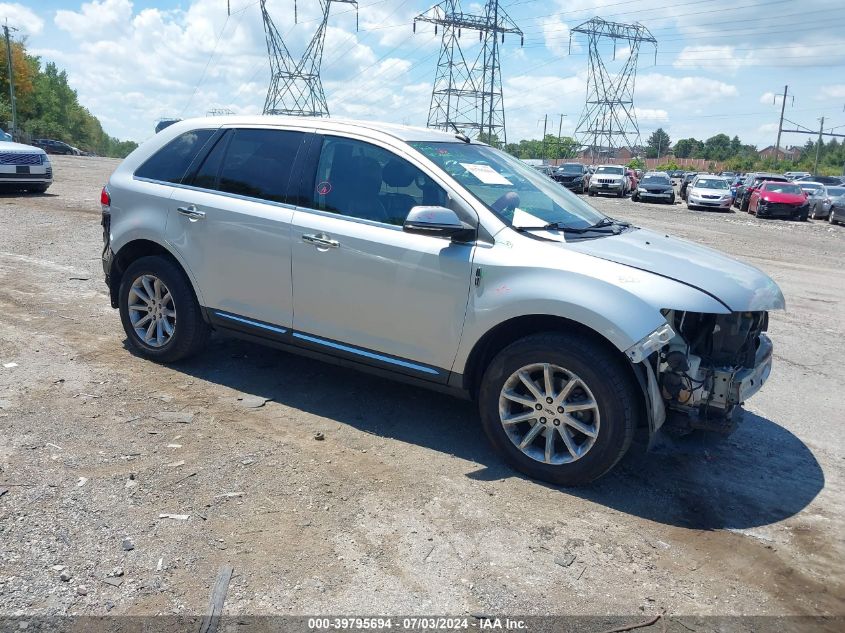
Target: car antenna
[(458, 134)]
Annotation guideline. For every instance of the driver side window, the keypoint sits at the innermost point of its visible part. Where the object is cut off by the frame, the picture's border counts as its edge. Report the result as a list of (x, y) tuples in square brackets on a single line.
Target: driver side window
[(361, 180)]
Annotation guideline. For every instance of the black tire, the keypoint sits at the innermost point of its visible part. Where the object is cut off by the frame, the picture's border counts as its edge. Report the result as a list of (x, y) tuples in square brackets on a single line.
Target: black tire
[(191, 332), (672, 199), (743, 206), (832, 218), (591, 193), (39, 189), (605, 375)]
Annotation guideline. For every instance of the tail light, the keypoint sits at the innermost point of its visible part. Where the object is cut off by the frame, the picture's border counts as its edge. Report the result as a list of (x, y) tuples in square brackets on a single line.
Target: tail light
[(105, 198)]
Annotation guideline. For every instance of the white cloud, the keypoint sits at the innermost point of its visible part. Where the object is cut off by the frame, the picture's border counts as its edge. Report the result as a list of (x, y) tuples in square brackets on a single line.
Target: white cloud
[(556, 36), (650, 115), (713, 57), (835, 91), (767, 97), (22, 18), (660, 88), (95, 18)]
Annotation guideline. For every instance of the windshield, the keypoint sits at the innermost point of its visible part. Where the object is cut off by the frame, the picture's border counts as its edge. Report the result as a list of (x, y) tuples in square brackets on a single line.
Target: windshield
[(604, 169), (570, 169), (786, 187), (810, 186), (656, 180), (711, 183), (836, 191), (519, 195)]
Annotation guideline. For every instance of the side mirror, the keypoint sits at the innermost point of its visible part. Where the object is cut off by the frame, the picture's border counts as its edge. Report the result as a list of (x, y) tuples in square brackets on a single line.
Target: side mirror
[(438, 222)]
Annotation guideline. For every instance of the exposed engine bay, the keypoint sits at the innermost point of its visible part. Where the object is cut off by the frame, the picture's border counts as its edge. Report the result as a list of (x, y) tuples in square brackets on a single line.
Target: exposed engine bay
[(712, 364)]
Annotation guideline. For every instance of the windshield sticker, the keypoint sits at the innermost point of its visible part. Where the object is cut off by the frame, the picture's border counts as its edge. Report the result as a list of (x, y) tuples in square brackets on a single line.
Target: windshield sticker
[(324, 188), (486, 174)]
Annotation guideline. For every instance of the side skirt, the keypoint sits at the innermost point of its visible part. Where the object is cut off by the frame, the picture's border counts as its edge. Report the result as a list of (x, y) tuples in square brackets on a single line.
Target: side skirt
[(335, 352)]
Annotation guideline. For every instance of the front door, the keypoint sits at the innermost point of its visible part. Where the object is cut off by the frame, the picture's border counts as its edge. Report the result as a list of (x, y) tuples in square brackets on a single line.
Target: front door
[(231, 226), (362, 287)]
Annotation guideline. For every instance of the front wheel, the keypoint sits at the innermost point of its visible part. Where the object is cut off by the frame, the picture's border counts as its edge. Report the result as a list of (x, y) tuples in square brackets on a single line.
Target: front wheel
[(672, 199), (831, 218), (160, 314), (558, 407)]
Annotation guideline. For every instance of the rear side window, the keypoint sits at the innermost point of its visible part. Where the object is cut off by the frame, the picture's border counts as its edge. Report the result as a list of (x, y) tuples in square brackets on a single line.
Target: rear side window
[(170, 163), (258, 163)]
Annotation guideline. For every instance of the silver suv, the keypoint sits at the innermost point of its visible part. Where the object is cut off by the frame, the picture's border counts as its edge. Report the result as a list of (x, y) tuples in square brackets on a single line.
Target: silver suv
[(609, 179), (425, 257)]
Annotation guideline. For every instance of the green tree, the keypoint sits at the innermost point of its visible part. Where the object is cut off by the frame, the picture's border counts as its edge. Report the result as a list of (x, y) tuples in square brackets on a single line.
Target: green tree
[(657, 144), (717, 147), (688, 148)]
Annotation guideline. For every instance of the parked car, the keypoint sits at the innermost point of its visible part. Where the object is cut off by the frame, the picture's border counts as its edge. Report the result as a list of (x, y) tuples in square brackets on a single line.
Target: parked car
[(422, 256), (821, 201), (750, 184), (573, 176), (728, 175), (655, 186), (52, 146), (5, 136), (709, 192), (609, 179), (685, 181), (546, 170), (794, 175), (836, 214), (24, 167), (809, 187), (836, 181), (779, 200)]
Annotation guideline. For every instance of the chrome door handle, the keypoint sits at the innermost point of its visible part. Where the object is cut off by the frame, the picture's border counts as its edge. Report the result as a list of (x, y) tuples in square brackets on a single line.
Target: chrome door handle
[(191, 212), (320, 241)]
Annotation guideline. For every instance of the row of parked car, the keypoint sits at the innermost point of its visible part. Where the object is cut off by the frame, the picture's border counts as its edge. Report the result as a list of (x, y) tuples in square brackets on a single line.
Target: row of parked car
[(776, 195)]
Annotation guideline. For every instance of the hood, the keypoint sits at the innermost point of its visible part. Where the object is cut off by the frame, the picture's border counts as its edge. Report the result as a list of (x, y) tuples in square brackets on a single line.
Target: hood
[(702, 191), (656, 186), (736, 285), (783, 198), (9, 146)]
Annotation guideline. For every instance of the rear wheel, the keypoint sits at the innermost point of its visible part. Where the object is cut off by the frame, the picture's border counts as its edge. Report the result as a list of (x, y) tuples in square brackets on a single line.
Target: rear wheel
[(160, 314), (558, 407)]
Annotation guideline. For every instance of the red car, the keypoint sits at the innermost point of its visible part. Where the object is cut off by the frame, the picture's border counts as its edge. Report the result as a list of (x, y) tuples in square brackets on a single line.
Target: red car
[(633, 181), (779, 200)]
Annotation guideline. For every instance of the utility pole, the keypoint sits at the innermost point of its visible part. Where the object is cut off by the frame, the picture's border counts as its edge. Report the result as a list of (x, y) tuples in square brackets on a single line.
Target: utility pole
[(559, 130), (818, 146), (12, 101), (545, 123), (780, 125)]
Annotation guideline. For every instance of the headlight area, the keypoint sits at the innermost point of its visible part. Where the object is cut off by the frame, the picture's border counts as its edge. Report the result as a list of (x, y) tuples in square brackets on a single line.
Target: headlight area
[(706, 368)]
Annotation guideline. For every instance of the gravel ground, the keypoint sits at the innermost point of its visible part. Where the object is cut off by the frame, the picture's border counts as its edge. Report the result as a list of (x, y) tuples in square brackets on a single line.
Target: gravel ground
[(402, 508)]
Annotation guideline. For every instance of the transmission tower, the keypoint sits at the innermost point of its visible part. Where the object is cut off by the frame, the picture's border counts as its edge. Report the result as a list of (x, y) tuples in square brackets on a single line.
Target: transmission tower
[(467, 94), (295, 86), (609, 121)]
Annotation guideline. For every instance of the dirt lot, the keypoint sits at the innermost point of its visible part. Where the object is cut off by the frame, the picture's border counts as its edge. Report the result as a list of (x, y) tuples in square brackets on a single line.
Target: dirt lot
[(402, 508)]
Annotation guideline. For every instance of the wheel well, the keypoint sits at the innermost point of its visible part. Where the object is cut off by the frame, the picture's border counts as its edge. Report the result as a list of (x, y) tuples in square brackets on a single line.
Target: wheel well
[(129, 253), (514, 329)]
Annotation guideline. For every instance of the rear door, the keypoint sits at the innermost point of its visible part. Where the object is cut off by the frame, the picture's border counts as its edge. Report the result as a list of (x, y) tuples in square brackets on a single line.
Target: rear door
[(362, 287), (230, 223)]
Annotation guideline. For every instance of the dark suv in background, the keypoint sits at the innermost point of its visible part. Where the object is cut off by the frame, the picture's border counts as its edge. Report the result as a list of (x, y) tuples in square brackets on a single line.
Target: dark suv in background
[(573, 176), (52, 146)]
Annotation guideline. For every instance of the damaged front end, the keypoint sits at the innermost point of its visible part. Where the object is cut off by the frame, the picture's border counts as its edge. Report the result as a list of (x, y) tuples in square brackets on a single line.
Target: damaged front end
[(703, 367)]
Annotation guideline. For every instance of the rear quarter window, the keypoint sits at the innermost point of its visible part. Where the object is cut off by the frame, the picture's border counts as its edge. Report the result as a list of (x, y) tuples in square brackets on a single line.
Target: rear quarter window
[(171, 162)]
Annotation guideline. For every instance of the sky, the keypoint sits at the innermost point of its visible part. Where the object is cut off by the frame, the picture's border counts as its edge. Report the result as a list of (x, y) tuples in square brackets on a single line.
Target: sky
[(718, 63)]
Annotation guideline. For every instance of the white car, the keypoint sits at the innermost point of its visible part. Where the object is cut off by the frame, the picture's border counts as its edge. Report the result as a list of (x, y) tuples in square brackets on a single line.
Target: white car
[(709, 192), (24, 167)]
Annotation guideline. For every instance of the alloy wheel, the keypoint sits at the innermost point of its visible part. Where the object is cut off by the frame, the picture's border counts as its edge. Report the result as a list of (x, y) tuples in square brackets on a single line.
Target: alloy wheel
[(549, 413), (152, 311)]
